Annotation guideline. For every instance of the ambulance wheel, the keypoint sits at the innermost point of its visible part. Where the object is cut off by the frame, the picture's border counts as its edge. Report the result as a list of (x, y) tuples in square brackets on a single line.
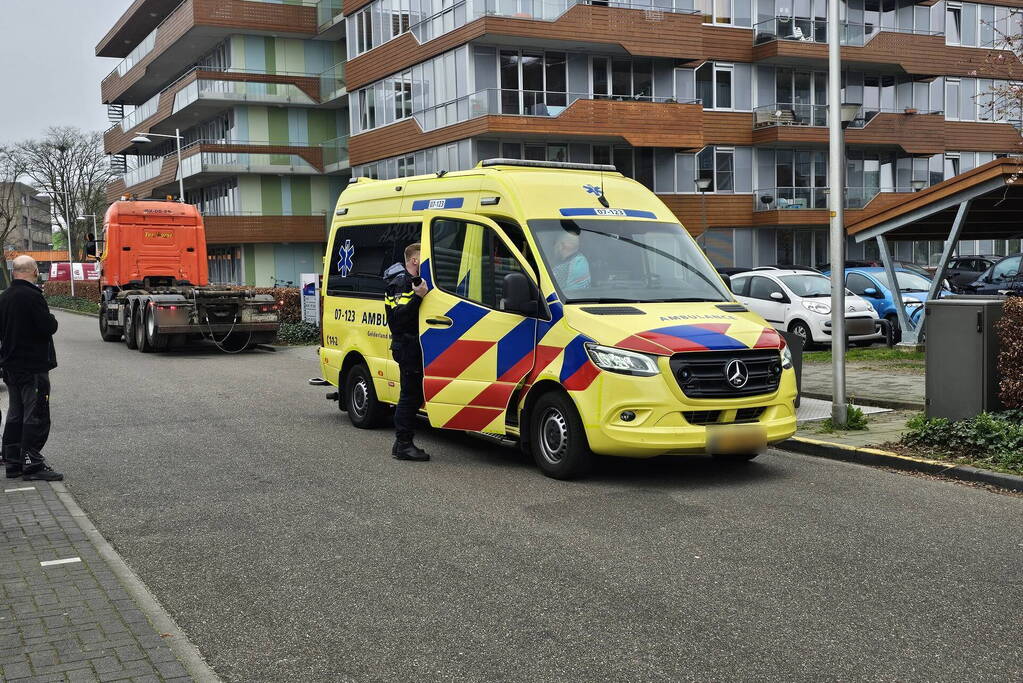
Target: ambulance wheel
[(141, 317), (361, 404), (129, 327), (558, 441), (106, 331)]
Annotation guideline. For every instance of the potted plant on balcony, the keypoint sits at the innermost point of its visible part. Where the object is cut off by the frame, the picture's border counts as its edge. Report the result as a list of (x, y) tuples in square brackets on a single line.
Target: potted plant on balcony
[(909, 110)]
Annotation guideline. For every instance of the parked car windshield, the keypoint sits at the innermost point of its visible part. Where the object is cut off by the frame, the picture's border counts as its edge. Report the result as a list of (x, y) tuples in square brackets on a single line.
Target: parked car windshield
[(908, 282), (807, 285), (616, 261)]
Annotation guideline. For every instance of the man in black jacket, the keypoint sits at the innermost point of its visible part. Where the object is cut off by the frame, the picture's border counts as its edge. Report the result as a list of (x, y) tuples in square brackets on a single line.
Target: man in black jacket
[(26, 358), (405, 291)]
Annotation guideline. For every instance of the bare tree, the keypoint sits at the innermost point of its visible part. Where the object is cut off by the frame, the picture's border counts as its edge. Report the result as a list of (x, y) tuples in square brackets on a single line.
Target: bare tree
[(11, 172), (1003, 101), (70, 166)]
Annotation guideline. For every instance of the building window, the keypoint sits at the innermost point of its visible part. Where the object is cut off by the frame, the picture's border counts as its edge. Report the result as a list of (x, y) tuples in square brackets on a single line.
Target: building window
[(622, 78), (532, 83), (952, 99), (364, 31), (953, 23), (714, 85), (717, 164), (725, 12)]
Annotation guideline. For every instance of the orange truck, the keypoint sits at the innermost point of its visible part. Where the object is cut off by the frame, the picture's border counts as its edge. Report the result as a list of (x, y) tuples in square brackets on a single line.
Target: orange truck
[(154, 283)]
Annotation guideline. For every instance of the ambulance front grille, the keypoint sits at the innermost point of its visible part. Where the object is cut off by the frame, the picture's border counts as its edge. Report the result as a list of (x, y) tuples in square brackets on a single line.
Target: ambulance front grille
[(703, 374)]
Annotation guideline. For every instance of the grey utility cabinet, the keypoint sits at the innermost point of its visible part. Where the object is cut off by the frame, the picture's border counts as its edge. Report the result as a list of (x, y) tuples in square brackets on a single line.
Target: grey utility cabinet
[(962, 356)]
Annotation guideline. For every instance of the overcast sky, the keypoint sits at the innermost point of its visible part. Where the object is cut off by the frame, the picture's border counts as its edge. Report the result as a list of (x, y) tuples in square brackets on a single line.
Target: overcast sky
[(48, 65)]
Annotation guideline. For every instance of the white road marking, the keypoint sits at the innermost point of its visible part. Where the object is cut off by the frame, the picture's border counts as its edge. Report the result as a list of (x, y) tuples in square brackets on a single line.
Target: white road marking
[(67, 560), (23, 488)]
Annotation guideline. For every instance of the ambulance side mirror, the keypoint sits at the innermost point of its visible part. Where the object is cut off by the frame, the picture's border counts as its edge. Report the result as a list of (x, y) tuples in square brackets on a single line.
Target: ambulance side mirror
[(520, 295)]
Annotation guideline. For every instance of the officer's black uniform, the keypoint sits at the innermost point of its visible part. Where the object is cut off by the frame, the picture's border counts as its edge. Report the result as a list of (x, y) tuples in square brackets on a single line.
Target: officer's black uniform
[(402, 307)]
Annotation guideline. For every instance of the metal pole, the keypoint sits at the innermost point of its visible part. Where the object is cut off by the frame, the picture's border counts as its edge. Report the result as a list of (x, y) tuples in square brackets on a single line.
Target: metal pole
[(70, 256), (836, 168), (946, 253), (908, 331), (181, 171)]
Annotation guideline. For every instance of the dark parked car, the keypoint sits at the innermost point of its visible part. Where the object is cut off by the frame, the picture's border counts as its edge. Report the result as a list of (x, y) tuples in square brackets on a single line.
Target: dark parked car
[(1002, 277), (964, 270)]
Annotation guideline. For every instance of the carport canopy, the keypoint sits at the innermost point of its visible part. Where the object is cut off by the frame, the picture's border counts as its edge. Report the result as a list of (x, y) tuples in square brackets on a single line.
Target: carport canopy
[(983, 203)]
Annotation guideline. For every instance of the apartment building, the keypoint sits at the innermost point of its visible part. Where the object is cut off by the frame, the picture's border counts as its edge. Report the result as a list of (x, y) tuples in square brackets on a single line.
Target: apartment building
[(256, 89), (717, 105), (32, 230), (727, 94)]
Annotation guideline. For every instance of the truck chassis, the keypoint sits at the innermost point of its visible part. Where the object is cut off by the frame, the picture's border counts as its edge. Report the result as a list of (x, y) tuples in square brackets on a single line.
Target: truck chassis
[(153, 319)]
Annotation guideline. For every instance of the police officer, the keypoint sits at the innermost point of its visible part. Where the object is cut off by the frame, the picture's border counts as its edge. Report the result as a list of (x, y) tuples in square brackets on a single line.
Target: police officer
[(405, 291)]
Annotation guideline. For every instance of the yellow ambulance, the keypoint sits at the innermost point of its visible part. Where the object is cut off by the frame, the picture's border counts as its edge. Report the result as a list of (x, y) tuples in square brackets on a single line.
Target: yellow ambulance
[(567, 309)]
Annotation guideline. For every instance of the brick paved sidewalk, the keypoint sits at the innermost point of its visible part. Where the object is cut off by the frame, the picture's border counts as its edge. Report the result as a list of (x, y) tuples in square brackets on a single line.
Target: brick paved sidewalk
[(73, 621)]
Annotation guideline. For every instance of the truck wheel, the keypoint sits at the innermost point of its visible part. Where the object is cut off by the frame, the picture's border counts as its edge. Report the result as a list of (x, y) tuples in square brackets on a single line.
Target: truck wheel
[(558, 440), (129, 327), (364, 410), (154, 340), (106, 331), (139, 319)]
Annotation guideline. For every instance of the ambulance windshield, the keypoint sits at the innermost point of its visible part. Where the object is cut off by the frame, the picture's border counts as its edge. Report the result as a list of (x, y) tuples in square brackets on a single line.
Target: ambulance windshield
[(619, 261)]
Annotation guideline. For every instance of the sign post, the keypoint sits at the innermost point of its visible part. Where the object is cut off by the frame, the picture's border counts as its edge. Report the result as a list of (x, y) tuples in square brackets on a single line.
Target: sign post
[(310, 298)]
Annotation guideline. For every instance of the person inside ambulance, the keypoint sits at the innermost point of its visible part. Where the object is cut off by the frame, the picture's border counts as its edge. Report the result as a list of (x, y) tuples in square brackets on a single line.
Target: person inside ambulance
[(405, 291), (572, 270)]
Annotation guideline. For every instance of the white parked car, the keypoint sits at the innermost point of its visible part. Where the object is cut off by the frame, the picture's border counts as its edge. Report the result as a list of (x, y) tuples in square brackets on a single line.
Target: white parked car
[(799, 301)]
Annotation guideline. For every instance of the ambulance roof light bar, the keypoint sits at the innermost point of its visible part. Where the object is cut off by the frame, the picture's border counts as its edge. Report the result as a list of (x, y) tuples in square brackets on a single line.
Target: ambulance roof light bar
[(608, 168)]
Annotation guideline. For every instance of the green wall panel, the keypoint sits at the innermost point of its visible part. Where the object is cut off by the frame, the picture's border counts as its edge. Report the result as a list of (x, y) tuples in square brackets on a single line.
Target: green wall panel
[(273, 204)]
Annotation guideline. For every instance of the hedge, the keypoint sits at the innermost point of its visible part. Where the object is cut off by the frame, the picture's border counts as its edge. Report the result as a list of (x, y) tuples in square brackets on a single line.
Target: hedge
[(83, 290), (1010, 360)]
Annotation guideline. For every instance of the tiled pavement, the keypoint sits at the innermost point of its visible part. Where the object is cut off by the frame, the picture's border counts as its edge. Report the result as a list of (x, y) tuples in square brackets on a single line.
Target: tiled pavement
[(67, 622), (866, 383)]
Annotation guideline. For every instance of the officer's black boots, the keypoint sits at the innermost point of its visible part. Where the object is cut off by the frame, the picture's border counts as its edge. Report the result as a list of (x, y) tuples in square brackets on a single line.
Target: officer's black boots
[(406, 450)]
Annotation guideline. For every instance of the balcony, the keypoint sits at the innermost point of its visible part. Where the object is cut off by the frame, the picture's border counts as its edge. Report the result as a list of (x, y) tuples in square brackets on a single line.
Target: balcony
[(202, 93), (193, 28), (332, 83), (335, 155), (806, 124), (640, 28), (795, 41), (248, 228), (809, 205), (207, 160), (642, 121)]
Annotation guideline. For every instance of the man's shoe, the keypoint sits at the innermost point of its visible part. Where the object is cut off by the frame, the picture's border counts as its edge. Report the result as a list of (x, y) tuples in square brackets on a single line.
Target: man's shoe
[(407, 451), (41, 473), (13, 472)]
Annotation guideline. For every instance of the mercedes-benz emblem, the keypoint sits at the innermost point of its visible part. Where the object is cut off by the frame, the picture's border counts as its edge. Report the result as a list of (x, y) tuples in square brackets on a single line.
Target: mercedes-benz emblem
[(736, 373)]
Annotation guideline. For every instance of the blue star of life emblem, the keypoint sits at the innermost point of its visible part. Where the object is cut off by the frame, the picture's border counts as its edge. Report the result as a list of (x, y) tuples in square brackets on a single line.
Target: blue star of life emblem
[(346, 252), (593, 189)]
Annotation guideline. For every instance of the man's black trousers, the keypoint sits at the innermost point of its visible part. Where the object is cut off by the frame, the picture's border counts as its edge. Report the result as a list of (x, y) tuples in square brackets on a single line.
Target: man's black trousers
[(410, 400), (28, 416)]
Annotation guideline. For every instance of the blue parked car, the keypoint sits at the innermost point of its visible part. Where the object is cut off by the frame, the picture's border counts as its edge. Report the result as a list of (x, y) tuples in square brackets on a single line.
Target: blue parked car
[(872, 285)]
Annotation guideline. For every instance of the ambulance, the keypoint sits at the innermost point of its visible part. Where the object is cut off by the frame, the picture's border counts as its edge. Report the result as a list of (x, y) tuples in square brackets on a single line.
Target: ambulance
[(568, 311)]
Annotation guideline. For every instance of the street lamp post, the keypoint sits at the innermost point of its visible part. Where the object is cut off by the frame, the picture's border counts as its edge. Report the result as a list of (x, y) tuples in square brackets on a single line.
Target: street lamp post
[(703, 184), (839, 116), (144, 140)]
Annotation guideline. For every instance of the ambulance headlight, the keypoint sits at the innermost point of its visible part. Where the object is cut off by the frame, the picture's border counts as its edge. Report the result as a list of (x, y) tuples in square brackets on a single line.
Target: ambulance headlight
[(622, 361), (786, 357)]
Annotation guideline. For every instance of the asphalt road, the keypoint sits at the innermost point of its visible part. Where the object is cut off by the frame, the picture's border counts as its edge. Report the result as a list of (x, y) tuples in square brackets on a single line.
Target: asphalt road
[(291, 547)]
